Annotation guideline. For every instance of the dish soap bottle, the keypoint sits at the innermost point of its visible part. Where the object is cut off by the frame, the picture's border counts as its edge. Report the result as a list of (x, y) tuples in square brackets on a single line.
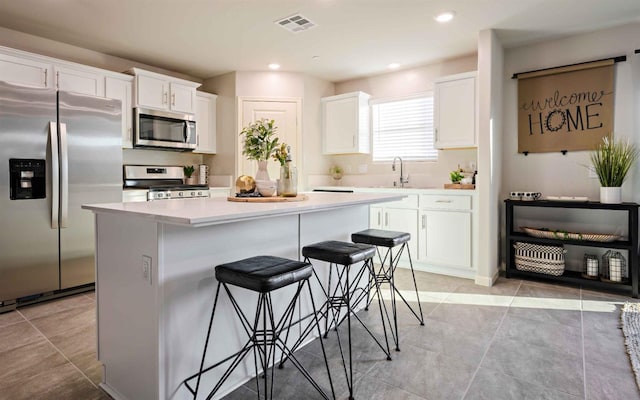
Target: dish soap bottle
[(288, 184)]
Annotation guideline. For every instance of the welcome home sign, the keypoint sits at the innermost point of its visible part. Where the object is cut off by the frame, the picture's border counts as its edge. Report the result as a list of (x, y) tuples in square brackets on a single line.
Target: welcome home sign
[(566, 108)]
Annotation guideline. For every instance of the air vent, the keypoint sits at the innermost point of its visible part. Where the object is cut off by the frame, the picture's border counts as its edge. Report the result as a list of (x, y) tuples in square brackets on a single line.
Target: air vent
[(296, 23)]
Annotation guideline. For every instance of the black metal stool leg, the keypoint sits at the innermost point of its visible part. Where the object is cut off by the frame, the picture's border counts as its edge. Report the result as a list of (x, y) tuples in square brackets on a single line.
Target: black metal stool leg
[(206, 343)]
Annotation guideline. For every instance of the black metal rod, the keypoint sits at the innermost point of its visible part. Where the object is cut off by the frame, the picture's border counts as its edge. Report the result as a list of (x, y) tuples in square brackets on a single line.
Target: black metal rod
[(615, 60)]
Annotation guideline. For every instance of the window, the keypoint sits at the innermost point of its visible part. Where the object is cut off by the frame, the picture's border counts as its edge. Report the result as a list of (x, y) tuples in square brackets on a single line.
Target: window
[(404, 128)]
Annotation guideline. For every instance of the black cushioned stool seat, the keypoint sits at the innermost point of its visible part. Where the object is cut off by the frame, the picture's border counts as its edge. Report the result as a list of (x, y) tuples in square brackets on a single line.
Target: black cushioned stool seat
[(379, 237), (343, 253), (385, 271), (349, 266), (267, 328), (263, 273)]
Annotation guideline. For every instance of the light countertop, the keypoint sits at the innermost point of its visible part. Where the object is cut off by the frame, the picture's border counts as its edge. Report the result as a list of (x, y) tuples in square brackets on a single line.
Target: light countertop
[(405, 190), (209, 211)]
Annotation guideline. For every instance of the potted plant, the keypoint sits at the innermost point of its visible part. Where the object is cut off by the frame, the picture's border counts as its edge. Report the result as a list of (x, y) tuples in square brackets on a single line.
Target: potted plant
[(456, 176), (188, 172), (259, 142), (611, 161), (336, 172)]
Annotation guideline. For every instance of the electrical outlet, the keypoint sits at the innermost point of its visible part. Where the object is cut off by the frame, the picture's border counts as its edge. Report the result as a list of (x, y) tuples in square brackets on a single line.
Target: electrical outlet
[(592, 172), (146, 268)]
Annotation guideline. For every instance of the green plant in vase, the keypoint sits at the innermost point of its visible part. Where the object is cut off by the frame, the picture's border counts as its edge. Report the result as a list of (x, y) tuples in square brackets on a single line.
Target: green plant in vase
[(259, 143), (456, 176), (611, 161), (188, 172)]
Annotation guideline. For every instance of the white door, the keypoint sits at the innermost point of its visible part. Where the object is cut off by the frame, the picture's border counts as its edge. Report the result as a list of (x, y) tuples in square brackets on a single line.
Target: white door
[(286, 114)]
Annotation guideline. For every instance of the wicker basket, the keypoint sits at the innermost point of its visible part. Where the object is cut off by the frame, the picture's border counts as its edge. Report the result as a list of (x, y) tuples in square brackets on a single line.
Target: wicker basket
[(541, 259)]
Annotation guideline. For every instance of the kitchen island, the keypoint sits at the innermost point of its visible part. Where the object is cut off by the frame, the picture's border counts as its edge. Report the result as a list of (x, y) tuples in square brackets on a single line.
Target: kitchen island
[(155, 280)]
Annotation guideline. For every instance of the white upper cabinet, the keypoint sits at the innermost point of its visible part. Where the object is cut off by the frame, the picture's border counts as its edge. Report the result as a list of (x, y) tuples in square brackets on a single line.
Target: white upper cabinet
[(345, 123), (455, 119), (24, 71), (206, 122), (80, 80), (120, 88), (152, 90)]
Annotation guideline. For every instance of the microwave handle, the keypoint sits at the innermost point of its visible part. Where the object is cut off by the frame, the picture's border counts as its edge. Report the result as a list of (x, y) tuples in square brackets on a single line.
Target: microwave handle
[(187, 132)]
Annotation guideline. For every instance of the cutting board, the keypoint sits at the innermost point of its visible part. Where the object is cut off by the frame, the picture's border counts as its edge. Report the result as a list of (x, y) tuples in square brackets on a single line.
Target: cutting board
[(459, 186), (274, 199)]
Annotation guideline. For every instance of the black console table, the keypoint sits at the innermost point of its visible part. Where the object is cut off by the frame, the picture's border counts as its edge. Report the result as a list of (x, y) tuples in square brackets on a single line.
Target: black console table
[(572, 277)]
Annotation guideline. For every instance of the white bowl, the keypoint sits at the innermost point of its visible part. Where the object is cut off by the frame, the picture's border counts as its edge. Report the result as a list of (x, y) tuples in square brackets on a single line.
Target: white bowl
[(266, 188)]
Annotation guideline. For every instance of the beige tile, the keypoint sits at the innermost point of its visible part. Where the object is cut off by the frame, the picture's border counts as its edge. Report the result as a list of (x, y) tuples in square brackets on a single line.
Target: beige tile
[(79, 346), (18, 335), (63, 382), (54, 306), (66, 320), (10, 318), (22, 363)]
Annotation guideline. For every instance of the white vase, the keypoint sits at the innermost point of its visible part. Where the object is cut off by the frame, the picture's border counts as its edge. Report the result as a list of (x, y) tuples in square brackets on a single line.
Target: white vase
[(611, 195), (262, 174)]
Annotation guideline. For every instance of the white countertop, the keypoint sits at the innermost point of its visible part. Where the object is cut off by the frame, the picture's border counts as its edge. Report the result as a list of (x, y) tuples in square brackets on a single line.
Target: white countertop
[(209, 211)]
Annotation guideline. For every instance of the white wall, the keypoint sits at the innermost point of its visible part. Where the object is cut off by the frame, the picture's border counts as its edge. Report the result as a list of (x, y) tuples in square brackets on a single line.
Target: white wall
[(553, 173), (399, 84), (223, 162)]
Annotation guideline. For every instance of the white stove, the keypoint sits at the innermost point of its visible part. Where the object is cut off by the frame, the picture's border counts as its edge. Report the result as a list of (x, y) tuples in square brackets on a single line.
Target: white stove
[(160, 183)]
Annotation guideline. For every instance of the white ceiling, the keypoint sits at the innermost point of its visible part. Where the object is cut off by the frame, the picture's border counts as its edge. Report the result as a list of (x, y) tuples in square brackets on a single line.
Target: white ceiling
[(354, 38)]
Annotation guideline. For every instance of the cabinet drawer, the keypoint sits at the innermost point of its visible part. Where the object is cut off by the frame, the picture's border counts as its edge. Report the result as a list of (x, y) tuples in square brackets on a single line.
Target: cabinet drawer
[(445, 202), (411, 201)]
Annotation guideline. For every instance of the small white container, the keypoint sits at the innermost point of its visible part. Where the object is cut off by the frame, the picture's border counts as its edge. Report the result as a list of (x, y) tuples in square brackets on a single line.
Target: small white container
[(266, 188)]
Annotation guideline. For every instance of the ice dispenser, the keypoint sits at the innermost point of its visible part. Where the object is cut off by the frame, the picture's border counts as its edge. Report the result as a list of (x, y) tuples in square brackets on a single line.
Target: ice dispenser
[(27, 179)]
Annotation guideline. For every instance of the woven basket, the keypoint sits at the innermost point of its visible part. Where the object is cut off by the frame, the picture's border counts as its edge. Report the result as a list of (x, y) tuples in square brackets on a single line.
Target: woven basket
[(541, 259)]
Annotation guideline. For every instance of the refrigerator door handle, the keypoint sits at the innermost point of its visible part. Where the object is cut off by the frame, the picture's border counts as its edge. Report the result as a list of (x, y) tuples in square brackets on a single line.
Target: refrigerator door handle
[(64, 177), (55, 174)]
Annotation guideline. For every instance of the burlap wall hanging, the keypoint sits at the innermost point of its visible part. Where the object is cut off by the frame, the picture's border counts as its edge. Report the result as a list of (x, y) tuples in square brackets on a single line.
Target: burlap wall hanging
[(566, 108)]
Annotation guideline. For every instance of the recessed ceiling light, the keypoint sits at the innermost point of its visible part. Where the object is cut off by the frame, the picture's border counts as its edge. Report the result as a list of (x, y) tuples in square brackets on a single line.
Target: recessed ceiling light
[(393, 66), (274, 66), (445, 16)]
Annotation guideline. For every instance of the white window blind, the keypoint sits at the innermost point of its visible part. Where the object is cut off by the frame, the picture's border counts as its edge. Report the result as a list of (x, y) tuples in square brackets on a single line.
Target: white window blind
[(404, 128)]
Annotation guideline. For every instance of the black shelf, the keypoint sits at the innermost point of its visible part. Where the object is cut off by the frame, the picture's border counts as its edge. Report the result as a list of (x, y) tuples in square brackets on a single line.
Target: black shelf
[(573, 277)]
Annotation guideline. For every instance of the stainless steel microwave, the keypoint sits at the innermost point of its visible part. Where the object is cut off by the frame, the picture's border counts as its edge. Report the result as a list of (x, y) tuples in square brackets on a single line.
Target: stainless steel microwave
[(162, 129)]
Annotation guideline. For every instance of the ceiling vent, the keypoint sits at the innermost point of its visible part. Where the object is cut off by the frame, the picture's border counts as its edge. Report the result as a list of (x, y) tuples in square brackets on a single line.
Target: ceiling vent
[(296, 23)]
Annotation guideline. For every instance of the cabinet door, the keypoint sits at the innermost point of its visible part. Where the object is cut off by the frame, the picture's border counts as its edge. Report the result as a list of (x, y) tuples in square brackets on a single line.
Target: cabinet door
[(446, 238), (375, 217), (121, 89), (404, 220), (340, 126), (455, 113), (77, 81), (25, 72), (152, 92), (183, 98), (206, 124)]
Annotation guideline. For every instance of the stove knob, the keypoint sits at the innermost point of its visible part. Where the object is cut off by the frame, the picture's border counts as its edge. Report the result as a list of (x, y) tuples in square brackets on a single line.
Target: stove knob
[(199, 193), (180, 194), (160, 195), (168, 195), (193, 194)]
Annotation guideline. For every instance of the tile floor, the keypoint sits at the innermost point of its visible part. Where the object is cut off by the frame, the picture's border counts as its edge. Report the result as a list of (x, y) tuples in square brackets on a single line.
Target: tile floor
[(516, 340)]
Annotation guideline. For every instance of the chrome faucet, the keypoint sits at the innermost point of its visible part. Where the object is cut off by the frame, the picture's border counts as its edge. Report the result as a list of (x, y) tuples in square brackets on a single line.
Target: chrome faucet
[(403, 180)]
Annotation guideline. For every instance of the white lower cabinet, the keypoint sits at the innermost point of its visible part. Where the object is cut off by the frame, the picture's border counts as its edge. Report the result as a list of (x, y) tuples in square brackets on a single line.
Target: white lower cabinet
[(398, 219), (443, 228), (445, 238)]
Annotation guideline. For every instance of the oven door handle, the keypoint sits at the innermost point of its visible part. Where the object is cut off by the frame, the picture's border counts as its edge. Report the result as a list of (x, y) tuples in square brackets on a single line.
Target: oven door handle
[(187, 132)]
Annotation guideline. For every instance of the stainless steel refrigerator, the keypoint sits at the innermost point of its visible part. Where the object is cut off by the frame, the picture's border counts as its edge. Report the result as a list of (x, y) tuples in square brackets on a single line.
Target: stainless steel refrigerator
[(58, 150)]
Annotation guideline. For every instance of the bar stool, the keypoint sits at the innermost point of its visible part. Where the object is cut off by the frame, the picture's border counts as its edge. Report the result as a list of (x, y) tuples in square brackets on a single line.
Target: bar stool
[(341, 257), (262, 274), (385, 274)]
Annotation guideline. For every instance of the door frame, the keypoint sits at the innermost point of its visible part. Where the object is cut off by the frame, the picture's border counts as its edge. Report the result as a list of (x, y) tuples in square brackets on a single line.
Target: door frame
[(297, 157)]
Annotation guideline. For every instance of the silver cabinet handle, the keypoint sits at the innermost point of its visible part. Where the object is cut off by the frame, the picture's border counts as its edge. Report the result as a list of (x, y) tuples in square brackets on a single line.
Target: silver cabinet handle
[(55, 174), (436, 134), (64, 177), (444, 201), (379, 218), (173, 99), (164, 97), (386, 219), (354, 141), (58, 80), (46, 71), (424, 221)]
